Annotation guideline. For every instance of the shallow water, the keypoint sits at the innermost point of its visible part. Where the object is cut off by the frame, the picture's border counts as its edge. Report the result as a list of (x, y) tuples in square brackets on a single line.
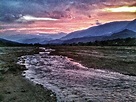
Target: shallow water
[(73, 82)]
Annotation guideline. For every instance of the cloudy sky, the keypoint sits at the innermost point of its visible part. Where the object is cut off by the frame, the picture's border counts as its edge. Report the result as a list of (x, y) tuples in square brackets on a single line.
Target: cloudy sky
[(54, 16)]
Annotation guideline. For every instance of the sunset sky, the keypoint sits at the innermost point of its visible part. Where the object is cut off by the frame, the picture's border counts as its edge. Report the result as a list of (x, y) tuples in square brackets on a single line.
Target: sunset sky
[(55, 16)]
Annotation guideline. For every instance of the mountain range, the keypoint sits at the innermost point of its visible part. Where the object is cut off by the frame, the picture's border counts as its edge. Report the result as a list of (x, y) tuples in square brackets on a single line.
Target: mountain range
[(122, 34), (105, 29), (108, 31), (32, 38)]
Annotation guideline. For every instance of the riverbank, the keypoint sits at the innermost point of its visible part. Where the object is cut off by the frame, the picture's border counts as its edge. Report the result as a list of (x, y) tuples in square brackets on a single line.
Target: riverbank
[(14, 87), (120, 59)]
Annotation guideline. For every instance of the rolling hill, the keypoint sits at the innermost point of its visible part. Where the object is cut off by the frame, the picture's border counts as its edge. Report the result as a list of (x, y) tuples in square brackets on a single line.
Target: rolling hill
[(4, 42), (101, 30), (122, 35), (32, 38)]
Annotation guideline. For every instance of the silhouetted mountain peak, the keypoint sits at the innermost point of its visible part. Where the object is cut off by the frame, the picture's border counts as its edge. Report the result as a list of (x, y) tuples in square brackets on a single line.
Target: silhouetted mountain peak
[(103, 30), (126, 30), (124, 34)]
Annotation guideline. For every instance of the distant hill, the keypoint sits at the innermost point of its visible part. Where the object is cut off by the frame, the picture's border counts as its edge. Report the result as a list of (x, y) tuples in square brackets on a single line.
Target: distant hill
[(57, 41), (4, 42), (123, 34), (32, 38), (101, 30), (84, 39), (96, 32)]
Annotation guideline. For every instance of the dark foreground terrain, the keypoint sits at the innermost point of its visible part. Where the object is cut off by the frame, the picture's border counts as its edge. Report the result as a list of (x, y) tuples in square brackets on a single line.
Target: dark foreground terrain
[(74, 82), (70, 80), (15, 88), (115, 58)]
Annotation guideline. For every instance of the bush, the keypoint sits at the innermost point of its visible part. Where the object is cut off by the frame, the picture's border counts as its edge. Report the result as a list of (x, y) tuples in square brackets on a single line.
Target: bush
[(1, 98), (1, 77)]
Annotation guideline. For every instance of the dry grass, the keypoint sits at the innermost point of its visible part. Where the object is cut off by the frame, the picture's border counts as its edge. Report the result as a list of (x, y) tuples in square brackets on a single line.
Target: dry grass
[(116, 58)]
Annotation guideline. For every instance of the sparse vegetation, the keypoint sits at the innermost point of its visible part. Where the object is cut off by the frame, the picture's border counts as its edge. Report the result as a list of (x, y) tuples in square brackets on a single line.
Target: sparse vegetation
[(114, 42), (1, 98), (1, 77), (116, 58)]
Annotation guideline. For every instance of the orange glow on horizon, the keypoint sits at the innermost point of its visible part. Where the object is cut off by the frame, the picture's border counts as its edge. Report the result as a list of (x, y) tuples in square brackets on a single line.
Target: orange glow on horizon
[(62, 16), (121, 9), (65, 25)]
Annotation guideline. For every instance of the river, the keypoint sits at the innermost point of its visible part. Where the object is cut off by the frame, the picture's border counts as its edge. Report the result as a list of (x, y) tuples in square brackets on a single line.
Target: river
[(72, 82)]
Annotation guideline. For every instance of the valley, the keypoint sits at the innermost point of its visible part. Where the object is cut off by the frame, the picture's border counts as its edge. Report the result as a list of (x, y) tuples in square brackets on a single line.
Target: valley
[(67, 50), (84, 73)]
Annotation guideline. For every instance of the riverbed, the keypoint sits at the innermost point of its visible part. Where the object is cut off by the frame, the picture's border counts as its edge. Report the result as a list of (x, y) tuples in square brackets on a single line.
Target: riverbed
[(71, 81)]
